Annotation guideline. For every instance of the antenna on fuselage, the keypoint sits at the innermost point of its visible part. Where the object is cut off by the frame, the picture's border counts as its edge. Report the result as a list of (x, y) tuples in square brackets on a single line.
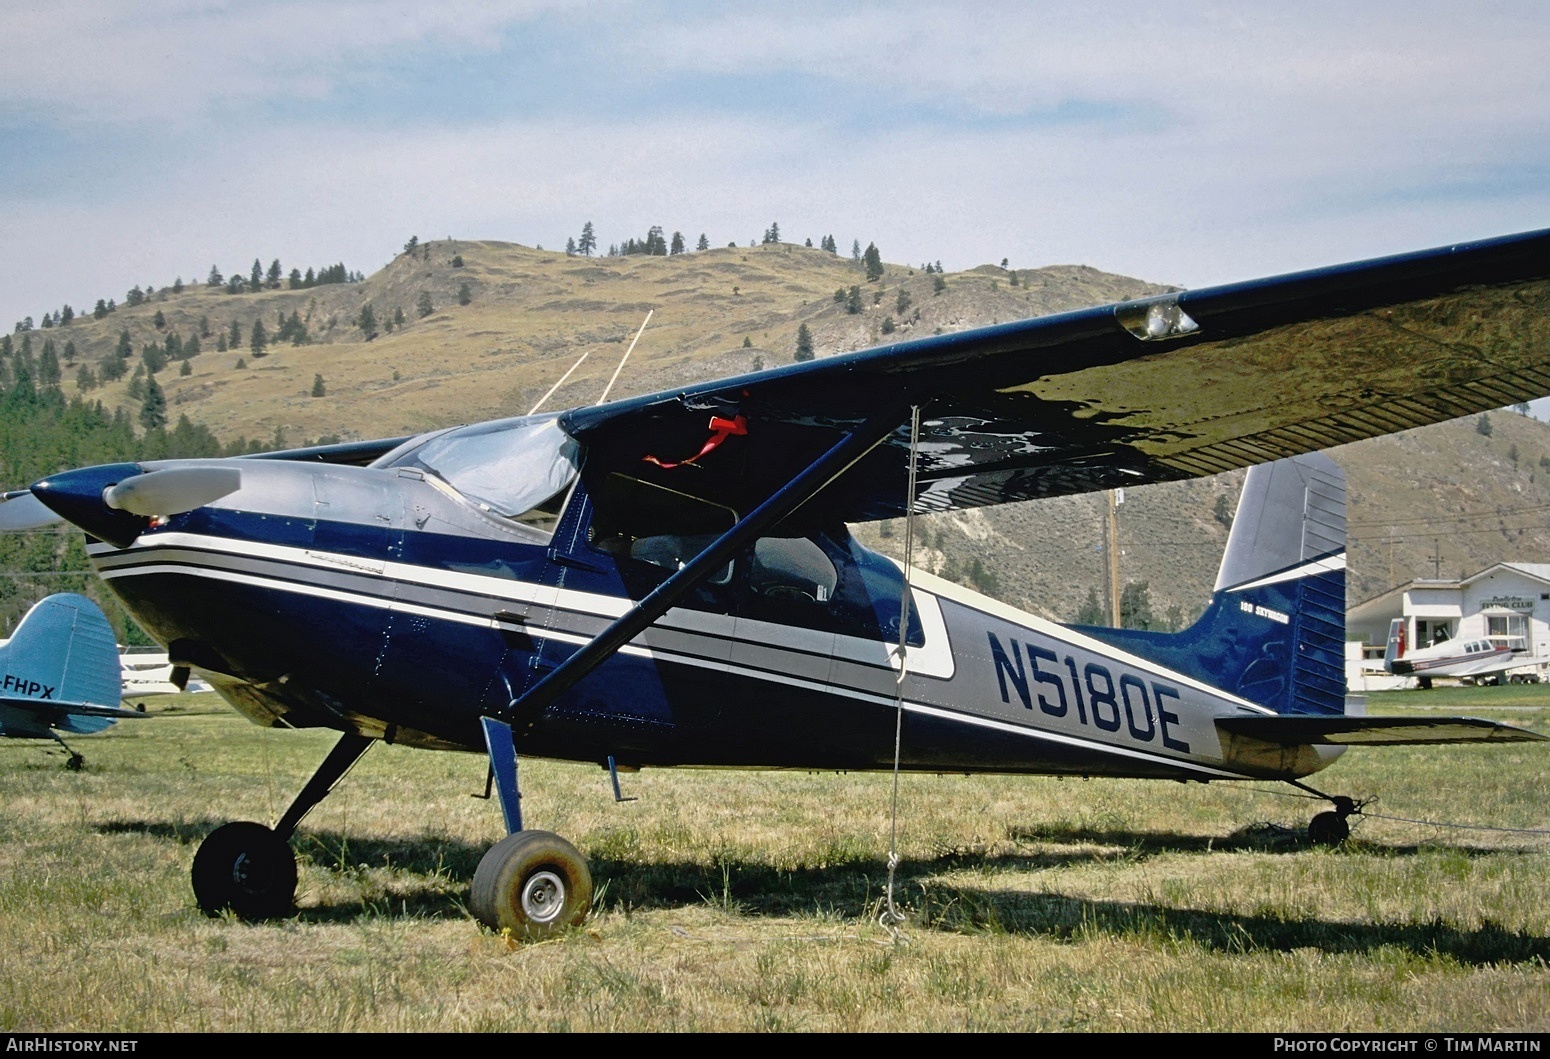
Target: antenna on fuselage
[(557, 385), (607, 389)]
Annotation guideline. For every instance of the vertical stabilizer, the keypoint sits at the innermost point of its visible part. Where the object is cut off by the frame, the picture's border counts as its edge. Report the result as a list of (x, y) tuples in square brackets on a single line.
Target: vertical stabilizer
[(63, 652), (1274, 631)]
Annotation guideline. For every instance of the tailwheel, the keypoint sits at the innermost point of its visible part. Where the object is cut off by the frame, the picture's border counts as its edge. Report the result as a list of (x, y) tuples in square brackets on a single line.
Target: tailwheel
[(533, 884), (245, 868)]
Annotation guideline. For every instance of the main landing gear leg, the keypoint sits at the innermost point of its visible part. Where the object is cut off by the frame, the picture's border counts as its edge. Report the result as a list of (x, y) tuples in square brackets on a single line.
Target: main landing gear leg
[(1330, 828), (249, 869), (74, 761), (532, 884)]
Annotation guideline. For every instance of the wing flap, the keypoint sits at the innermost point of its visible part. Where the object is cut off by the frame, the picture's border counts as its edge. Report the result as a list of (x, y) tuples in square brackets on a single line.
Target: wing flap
[(1374, 731)]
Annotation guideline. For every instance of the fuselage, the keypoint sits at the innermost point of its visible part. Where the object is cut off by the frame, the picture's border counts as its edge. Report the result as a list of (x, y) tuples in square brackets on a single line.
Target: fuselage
[(382, 601)]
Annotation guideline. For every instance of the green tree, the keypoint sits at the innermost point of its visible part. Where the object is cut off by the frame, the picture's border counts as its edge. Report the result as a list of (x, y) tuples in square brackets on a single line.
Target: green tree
[(1092, 612), (214, 279), (258, 341), (125, 348), (703, 244), (804, 343), (256, 276), (424, 307), (367, 322), (464, 294), (318, 390), (153, 409), (588, 241), (873, 262), (853, 300), (1135, 607)]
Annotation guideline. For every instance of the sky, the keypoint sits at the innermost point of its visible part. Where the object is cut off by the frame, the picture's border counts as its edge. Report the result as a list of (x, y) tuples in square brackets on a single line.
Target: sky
[(1188, 143)]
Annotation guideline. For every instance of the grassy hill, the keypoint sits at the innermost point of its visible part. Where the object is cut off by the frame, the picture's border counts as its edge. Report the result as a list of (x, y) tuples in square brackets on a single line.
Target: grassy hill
[(530, 314)]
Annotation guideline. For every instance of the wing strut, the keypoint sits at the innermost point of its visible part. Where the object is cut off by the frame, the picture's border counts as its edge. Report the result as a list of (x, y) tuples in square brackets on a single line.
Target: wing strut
[(523, 713)]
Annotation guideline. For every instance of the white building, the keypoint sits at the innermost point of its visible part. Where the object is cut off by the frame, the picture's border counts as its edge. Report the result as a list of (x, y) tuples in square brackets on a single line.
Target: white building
[(1508, 603)]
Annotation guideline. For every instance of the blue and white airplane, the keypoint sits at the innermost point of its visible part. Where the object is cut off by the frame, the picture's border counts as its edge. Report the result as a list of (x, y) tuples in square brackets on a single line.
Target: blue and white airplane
[(669, 580), (59, 673)]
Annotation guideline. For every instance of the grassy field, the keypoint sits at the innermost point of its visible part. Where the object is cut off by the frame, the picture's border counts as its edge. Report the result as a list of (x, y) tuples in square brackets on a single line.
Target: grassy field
[(749, 901)]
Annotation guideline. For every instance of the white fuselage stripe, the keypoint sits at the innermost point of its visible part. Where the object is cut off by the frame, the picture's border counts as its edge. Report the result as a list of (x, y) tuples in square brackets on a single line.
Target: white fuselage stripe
[(523, 591)]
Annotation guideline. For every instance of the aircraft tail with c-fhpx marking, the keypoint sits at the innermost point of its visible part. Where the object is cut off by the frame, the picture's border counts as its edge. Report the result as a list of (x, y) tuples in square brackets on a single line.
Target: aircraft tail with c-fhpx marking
[(1274, 631), (60, 671)]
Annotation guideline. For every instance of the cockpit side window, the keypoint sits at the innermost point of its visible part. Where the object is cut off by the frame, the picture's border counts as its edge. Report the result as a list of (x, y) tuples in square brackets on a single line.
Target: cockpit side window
[(663, 527), (519, 469)]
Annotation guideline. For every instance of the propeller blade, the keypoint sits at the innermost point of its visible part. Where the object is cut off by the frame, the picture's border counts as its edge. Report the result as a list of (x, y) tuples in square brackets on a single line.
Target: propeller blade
[(20, 510), (172, 490)]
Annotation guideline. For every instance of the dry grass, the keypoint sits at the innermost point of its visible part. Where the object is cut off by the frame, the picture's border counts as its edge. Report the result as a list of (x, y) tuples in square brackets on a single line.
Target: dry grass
[(749, 901)]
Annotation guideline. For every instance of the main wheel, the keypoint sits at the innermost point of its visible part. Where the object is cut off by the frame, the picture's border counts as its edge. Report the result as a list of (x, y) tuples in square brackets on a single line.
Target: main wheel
[(1328, 829), (532, 883), (246, 868)]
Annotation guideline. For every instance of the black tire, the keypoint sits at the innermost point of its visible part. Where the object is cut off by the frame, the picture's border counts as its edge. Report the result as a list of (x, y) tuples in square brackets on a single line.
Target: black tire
[(533, 884), (1328, 829), (247, 869)]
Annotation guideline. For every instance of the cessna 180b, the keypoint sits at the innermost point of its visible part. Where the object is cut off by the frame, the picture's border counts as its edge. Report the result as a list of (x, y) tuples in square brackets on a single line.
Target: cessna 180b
[(669, 579)]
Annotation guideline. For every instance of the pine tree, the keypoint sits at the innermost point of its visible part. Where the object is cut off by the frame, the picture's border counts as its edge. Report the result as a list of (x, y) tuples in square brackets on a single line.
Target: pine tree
[(874, 263), (367, 322), (588, 241), (125, 348), (214, 279), (804, 343), (703, 244), (318, 389), (1135, 607), (272, 277), (258, 341), (424, 307), (1092, 612), (464, 294), (677, 246), (256, 276)]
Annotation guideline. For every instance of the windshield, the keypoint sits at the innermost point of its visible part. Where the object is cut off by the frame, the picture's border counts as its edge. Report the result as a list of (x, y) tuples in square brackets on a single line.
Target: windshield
[(509, 467)]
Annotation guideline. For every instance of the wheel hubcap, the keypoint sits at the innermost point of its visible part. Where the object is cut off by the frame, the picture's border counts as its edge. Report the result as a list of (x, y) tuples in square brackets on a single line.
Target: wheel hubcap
[(543, 897)]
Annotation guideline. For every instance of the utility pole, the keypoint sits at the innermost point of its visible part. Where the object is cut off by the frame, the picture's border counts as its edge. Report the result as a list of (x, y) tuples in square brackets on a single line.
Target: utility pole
[(1436, 560)]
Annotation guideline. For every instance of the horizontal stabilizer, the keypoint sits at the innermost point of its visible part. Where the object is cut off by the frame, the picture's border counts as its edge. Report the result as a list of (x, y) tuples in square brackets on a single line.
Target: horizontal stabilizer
[(47, 709), (1373, 731)]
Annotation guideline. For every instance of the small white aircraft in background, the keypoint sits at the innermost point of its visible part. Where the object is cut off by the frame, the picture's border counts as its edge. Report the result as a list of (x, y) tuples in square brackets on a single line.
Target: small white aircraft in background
[(59, 673), (151, 672), (1475, 659)]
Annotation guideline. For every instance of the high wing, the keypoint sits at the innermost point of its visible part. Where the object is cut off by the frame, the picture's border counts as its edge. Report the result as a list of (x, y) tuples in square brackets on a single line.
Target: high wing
[(1177, 386)]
